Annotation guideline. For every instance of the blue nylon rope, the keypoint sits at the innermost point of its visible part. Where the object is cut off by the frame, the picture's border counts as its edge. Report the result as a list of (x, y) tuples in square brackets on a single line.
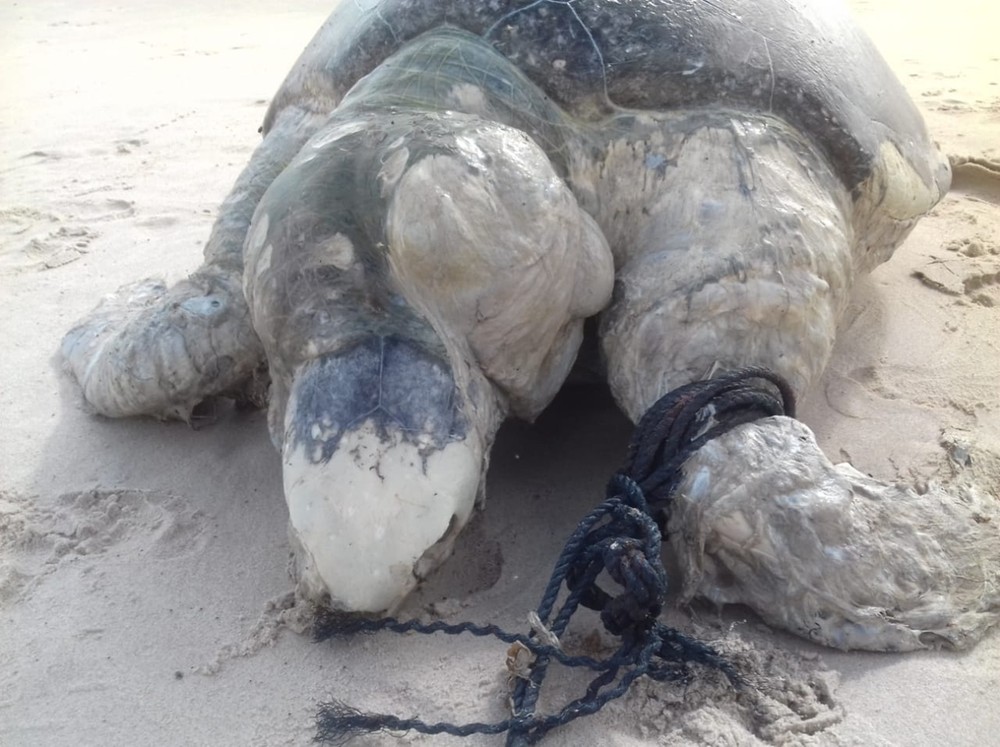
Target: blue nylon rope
[(622, 537)]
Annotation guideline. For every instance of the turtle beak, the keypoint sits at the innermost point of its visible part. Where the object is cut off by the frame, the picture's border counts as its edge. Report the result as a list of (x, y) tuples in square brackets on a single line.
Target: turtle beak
[(382, 469)]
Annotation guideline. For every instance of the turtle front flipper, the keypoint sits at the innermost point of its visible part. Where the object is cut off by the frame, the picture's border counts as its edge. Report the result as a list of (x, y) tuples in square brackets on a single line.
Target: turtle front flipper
[(742, 255), (413, 275), (150, 350), (147, 350), (760, 517)]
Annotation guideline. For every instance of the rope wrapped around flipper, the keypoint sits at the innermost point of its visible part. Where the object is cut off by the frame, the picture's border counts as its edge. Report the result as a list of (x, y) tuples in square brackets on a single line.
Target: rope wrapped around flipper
[(685, 419), (619, 537)]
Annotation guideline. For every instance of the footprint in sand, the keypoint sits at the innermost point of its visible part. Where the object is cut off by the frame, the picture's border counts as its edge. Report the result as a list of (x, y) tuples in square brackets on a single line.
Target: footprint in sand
[(60, 247), (17, 221), (32, 240), (36, 541)]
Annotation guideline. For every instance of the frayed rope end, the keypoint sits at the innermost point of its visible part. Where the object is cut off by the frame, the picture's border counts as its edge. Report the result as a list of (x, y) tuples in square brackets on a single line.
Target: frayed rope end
[(328, 623), (338, 723)]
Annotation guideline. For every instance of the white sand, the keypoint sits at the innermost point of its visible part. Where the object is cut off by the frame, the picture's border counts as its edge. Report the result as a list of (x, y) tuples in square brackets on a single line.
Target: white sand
[(142, 565)]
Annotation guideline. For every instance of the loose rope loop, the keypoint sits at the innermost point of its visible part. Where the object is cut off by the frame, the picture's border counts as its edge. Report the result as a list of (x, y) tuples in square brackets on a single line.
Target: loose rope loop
[(621, 538)]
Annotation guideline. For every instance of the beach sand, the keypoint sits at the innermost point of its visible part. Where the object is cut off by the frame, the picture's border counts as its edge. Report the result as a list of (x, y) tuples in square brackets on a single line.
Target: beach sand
[(144, 596)]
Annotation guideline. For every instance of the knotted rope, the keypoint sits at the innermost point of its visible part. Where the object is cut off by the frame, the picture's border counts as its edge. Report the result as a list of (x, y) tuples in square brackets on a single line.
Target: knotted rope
[(620, 537)]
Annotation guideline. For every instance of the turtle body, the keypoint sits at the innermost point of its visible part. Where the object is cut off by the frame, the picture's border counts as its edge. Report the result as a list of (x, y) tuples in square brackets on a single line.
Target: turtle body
[(446, 190)]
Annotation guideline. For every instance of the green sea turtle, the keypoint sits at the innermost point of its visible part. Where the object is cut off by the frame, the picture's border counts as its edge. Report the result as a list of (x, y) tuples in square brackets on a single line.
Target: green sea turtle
[(447, 189)]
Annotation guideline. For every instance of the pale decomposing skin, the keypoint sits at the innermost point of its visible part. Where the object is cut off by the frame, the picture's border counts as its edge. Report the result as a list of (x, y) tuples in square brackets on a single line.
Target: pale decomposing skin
[(763, 518), (447, 190)]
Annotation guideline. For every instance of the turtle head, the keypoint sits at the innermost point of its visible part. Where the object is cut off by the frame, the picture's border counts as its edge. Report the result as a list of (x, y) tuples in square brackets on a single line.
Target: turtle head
[(383, 462)]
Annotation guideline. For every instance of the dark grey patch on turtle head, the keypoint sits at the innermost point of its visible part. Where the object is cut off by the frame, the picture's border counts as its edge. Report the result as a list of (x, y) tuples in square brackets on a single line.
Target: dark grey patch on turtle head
[(392, 383)]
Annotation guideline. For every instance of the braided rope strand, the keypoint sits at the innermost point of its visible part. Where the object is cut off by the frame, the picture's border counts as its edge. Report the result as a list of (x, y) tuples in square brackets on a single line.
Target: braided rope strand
[(619, 537)]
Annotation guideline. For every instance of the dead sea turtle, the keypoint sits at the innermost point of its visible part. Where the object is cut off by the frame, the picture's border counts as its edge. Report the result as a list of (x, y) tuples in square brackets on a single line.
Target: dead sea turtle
[(447, 189)]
